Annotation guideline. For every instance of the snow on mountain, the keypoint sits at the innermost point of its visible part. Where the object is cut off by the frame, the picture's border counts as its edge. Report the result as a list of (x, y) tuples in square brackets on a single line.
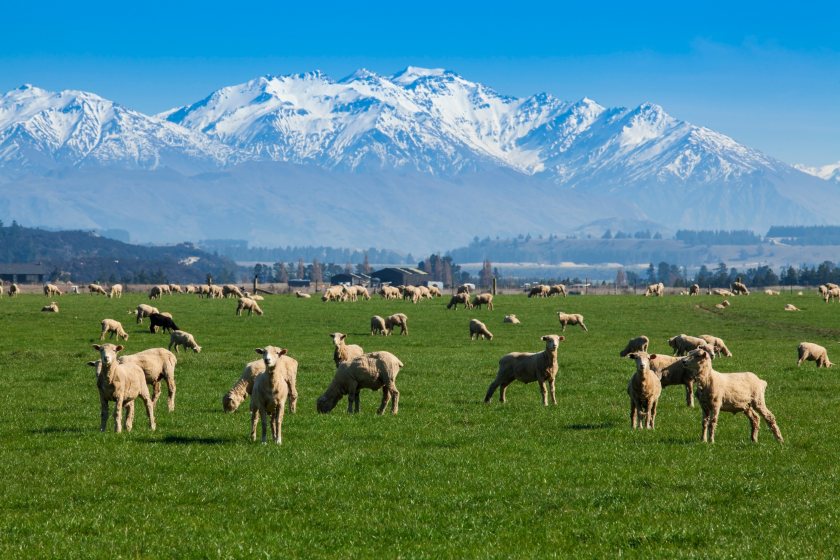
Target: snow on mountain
[(829, 172)]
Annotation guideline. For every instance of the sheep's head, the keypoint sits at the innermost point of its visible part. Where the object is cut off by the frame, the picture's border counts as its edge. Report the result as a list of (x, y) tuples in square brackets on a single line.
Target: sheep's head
[(108, 353), (337, 338), (552, 341), (97, 365), (270, 355), (326, 403), (196, 349), (697, 360), (231, 401), (642, 359)]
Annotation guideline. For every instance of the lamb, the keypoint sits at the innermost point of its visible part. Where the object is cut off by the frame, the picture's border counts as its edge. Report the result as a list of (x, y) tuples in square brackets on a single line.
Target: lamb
[(770, 292), (14, 290), (373, 370), (163, 321), (718, 346), (462, 298), (540, 290), (97, 289), (51, 308), (791, 307), (655, 290), (158, 364), (230, 290), (739, 288), (185, 339), (723, 305), (52, 290), (397, 320), (243, 387), (528, 367), (377, 326), (694, 290), (270, 391), (300, 294), (343, 351), (814, 353), (644, 389), (672, 371), (390, 292), (144, 310), (683, 344), (112, 327), (638, 344), (556, 290), (479, 330), (248, 304), (571, 319), (511, 319), (483, 299), (121, 383), (116, 291), (729, 392)]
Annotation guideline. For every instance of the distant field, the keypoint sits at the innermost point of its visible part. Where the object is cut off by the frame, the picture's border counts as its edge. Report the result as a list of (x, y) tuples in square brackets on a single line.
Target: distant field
[(449, 477)]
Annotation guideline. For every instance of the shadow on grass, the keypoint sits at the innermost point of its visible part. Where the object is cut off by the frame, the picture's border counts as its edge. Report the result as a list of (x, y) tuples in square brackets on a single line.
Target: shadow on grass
[(190, 440), (598, 426), (57, 430)]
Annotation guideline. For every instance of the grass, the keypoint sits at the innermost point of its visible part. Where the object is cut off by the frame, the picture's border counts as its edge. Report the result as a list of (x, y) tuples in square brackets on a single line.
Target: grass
[(448, 477)]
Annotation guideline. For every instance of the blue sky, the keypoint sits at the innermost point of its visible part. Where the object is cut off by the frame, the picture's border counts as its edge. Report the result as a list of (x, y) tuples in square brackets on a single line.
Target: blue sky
[(768, 75)]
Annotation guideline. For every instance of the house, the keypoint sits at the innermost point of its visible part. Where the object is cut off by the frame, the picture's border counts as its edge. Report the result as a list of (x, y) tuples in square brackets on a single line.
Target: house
[(23, 273), (300, 283), (400, 276)]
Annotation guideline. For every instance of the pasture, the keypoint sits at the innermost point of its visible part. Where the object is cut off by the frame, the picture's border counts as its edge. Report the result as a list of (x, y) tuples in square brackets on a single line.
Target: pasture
[(449, 477)]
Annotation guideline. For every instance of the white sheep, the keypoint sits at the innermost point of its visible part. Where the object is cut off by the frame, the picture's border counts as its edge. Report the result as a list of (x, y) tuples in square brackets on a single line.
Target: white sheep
[(175, 288), (377, 326), (116, 291), (158, 364), (832, 294), (411, 293), (344, 351), (144, 310), (462, 298), (723, 305), (112, 327), (571, 319), (397, 320), (360, 292), (390, 292), (244, 303), (791, 307), (557, 289), (643, 389), (185, 339), (302, 295), (121, 383), (334, 293), (243, 387), (718, 345), (540, 290), (434, 291), (51, 308), (729, 392), (483, 299), (270, 391), (479, 330), (770, 292), (527, 367), (52, 290), (638, 344), (655, 290), (739, 289), (14, 290), (694, 290), (231, 290), (511, 319), (814, 353), (683, 344), (97, 289), (374, 370), (721, 292), (672, 371)]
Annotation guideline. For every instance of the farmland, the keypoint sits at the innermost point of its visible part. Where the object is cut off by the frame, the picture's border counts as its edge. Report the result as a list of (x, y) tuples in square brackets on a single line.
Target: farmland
[(449, 476)]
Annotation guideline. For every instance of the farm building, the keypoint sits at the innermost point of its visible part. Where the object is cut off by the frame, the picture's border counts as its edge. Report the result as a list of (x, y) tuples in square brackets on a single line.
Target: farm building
[(402, 275), (300, 283), (351, 279), (24, 273)]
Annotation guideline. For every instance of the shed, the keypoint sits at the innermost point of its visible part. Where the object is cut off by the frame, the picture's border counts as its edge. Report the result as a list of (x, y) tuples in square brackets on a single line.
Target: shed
[(350, 278), (401, 275), (300, 283), (24, 273)]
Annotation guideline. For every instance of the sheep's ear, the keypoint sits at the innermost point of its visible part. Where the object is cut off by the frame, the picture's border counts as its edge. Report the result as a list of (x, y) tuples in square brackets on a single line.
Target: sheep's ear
[(652, 356), (118, 348), (92, 364), (544, 337), (259, 350), (97, 347), (283, 351), (561, 338), (343, 336)]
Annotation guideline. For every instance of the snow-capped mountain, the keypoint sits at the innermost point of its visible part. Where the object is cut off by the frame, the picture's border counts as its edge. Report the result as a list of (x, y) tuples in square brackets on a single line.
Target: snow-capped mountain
[(830, 172)]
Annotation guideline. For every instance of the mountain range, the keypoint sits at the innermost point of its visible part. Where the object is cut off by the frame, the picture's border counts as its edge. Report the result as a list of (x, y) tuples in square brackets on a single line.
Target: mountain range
[(421, 160)]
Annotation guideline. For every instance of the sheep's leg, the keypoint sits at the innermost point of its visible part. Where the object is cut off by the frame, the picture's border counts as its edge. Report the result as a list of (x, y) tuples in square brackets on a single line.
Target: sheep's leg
[(253, 424), (103, 417), (170, 389), (633, 415), (102, 336), (118, 415), (358, 401), (263, 422), (503, 391), (155, 391), (150, 411), (770, 419), (653, 417), (543, 393), (704, 435), (754, 423), (551, 388), (395, 396), (689, 393), (491, 390), (293, 396), (802, 358), (276, 422), (713, 423), (584, 327), (129, 416), (386, 396)]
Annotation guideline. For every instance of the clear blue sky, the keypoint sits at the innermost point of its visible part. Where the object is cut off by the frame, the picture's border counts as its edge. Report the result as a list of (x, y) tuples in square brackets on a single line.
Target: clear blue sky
[(762, 72)]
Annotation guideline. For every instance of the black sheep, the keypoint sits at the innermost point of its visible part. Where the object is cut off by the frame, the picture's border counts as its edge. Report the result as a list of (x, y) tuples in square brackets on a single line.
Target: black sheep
[(162, 321)]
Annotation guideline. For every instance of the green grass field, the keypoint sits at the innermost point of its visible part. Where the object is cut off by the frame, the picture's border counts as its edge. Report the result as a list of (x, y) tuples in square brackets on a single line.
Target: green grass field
[(449, 477)]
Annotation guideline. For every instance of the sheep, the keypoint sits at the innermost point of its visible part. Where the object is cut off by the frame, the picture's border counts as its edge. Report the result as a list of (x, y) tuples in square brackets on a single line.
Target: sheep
[(116, 291), (397, 320), (729, 392), (229, 290), (96, 289), (389, 292), (343, 351), (638, 344), (373, 370), (540, 290), (248, 304), (671, 371), (434, 291), (479, 330), (791, 307), (203, 291), (243, 387), (462, 298), (175, 288), (216, 292), (189, 289), (683, 344), (165, 289), (412, 293), (644, 389), (571, 319), (112, 327), (511, 319), (122, 383), (528, 367), (739, 288), (144, 310), (832, 293), (483, 299), (270, 391), (300, 294), (158, 364), (1, 288), (463, 289), (52, 290), (185, 339), (377, 326), (723, 305), (770, 292), (334, 293), (718, 346), (655, 290), (721, 292), (51, 308), (155, 292), (162, 320), (822, 289), (424, 292), (14, 290), (556, 290), (694, 290), (360, 291), (815, 353)]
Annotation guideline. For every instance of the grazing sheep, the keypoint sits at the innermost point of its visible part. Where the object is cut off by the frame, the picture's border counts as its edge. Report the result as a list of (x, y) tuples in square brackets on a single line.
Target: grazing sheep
[(412, 293), (255, 297), (540, 290), (52, 290), (162, 320), (97, 289), (571, 319), (671, 371), (721, 292), (791, 307), (814, 353), (377, 326), (14, 290), (683, 344), (390, 292), (270, 391), (1, 288), (158, 364), (832, 293), (770, 292), (434, 291), (144, 310), (216, 292), (729, 392), (655, 290), (112, 327), (300, 294), (343, 351), (249, 305), (334, 293), (694, 290), (644, 389), (397, 320), (718, 346), (462, 298), (511, 319), (184, 339), (483, 299), (479, 330), (528, 367), (556, 290), (739, 289), (189, 289), (638, 344), (175, 288), (155, 292), (230, 290), (243, 387), (116, 291), (463, 289), (374, 370), (121, 383), (51, 308), (360, 292), (822, 289)]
